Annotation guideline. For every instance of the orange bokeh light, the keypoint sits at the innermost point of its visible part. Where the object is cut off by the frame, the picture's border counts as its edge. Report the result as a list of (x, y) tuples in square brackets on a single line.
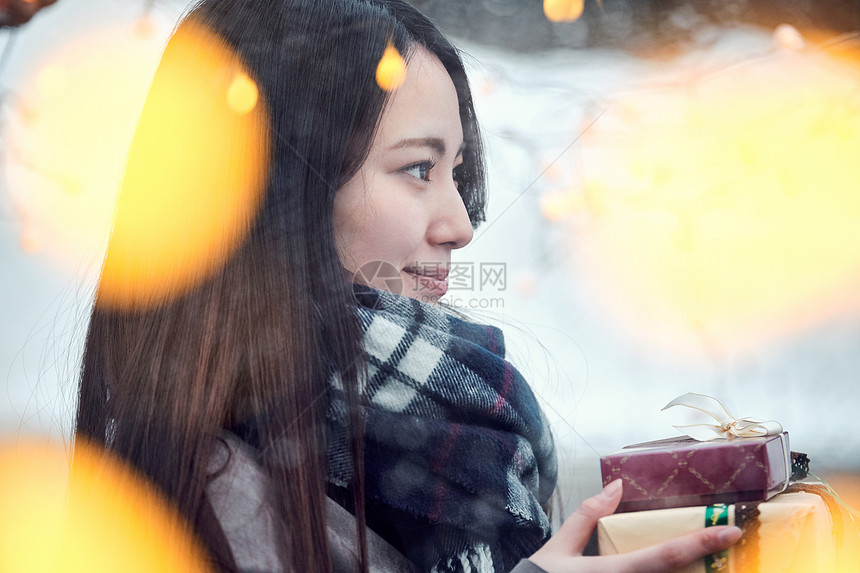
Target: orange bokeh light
[(30, 241), (242, 95), (191, 181), (724, 212), (563, 10), (391, 70), (195, 175), (557, 206), (95, 516)]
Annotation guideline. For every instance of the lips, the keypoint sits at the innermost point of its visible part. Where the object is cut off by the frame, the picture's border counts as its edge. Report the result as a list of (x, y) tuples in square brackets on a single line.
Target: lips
[(431, 278)]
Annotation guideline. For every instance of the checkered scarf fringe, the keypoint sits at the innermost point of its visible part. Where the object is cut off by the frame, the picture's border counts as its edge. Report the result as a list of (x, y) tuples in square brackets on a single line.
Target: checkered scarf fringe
[(454, 437)]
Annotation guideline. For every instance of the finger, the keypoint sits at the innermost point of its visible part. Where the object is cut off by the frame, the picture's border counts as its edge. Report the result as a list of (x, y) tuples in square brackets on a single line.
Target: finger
[(576, 529), (682, 550)]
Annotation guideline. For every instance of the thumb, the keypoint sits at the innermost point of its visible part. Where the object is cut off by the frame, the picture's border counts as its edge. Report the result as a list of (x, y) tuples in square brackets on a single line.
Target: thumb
[(576, 530)]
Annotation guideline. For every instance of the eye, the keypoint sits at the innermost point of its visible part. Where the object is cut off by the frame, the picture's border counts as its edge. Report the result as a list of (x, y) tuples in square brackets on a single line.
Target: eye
[(420, 170)]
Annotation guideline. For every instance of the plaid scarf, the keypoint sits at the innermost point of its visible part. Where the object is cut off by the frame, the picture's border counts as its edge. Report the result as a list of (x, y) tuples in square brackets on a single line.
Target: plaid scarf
[(455, 440)]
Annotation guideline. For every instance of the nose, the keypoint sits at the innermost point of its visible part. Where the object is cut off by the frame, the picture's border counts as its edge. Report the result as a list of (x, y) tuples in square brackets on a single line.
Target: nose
[(451, 225)]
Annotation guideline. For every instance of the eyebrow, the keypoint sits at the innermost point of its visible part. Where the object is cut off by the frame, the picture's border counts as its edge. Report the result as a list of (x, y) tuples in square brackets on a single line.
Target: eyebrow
[(434, 143)]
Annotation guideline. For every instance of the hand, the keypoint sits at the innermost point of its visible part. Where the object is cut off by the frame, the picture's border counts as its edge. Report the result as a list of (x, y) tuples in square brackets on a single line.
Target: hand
[(563, 553)]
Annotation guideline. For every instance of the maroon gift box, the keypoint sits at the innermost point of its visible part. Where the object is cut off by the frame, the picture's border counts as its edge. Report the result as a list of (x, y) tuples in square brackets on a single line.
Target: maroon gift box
[(680, 472)]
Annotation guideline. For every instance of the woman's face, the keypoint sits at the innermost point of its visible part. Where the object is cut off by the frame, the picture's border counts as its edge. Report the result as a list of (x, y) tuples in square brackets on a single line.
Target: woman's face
[(398, 219)]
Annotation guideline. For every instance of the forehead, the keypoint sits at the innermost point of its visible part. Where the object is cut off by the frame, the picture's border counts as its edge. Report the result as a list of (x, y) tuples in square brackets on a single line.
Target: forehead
[(425, 105)]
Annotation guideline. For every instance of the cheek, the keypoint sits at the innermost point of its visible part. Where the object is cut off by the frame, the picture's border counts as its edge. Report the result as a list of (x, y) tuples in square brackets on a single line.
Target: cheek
[(349, 219), (385, 233), (383, 224), (398, 222), (360, 226)]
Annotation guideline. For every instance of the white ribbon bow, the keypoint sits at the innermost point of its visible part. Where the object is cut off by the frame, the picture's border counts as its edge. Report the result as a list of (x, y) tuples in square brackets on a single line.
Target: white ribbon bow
[(729, 426)]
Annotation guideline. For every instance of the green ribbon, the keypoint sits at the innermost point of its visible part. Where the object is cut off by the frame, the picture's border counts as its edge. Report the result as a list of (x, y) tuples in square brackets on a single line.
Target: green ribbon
[(717, 514)]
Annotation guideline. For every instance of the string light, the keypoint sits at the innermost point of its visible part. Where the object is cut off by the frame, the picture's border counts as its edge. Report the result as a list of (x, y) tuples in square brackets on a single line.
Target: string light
[(242, 94), (563, 10), (787, 37), (391, 70)]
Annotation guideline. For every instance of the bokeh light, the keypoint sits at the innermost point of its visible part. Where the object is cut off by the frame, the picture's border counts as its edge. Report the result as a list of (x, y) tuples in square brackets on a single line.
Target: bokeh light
[(194, 178), (145, 26), (788, 37), (559, 205), (846, 527), (242, 95), (97, 516), (391, 70), (191, 182), (723, 211), (65, 142), (563, 10), (30, 241), (52, 81)]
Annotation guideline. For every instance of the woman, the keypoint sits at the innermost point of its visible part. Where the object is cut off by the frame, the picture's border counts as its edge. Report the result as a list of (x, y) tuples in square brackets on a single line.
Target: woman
[(273, 399)]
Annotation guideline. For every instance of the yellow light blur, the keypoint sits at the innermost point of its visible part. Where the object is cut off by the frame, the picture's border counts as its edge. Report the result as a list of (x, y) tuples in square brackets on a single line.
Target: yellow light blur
[(97, 517), (195, 171), (30, 241), (242, 95), (64, 148), (563, 10), (391, 70), (526, 283), (194, 178), (788, 37), (847, 486), (558, 206), (724, 213), (145, 26), (52, 81)]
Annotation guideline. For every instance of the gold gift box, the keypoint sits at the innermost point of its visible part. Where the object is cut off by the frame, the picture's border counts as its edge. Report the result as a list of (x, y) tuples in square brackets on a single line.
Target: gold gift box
[(794, 534)]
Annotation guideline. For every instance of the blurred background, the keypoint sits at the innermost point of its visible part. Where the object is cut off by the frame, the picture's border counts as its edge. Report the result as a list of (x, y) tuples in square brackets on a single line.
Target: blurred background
[(673, 207)]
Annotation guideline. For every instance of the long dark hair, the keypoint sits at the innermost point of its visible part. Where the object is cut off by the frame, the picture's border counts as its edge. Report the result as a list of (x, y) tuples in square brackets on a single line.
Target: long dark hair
[(253, 342)]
